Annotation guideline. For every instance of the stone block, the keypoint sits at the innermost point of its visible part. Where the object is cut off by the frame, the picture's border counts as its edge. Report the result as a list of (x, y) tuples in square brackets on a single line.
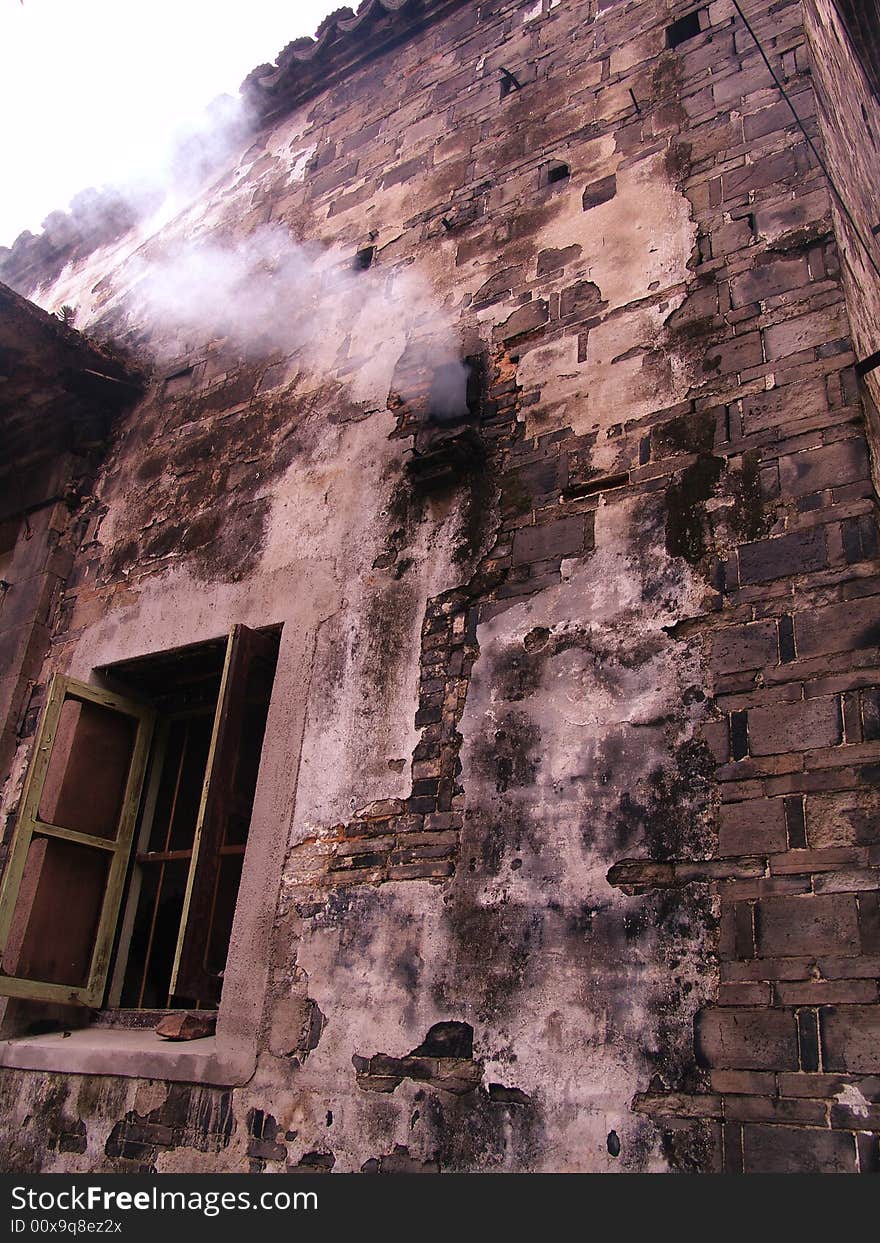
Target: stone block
[(583, 298), (830, 466), (843, 818), (851, 1038), (800, 726), (810, 331), (746, 1038), (599, 192), (780, 406), (759, 174), (766, 279), (801, 552), (786, 927), (744, 647), (797, 1150), (754, 827), (839, 627), (526, 319)]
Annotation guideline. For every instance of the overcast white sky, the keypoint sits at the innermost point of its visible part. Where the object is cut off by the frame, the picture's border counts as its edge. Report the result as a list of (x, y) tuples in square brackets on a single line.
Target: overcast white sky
[(91, 90)]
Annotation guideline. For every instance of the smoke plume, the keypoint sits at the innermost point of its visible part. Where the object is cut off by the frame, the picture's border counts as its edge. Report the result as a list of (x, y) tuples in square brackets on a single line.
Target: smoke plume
[(266, 295)]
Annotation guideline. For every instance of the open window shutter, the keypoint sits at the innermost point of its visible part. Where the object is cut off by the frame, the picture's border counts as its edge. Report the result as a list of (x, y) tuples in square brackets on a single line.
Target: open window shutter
[(224, 815), (67, 865)]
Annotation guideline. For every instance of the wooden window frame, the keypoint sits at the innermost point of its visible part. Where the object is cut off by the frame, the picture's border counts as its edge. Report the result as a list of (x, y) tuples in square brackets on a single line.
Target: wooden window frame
[(245, 649), (29, 825)]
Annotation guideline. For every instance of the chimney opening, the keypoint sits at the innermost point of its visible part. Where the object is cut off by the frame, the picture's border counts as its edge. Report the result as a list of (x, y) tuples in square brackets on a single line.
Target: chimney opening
[(456, 393), (476, 385)]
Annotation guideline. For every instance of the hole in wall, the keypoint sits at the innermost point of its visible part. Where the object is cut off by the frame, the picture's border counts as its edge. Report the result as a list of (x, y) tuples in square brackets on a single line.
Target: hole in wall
[(364, 258), (509, 82), (557, 173), (687, 27), (179, 381)]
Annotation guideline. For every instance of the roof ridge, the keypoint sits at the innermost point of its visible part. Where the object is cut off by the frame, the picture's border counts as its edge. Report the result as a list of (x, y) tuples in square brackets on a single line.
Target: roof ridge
[(303, 67)]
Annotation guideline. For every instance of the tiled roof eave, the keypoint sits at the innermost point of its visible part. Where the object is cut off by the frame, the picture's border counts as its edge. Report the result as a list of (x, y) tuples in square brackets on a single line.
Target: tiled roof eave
[(345, 40)]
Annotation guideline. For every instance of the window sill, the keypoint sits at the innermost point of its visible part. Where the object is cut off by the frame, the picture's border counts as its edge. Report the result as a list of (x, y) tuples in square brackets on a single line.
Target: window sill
[(131, 1053)]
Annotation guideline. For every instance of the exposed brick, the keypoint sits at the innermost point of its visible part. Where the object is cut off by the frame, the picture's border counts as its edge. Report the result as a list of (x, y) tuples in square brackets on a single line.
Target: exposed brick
[(827, 467), (580, 299), (760, 1109), (825, 992), (842, 818), (524, 320), (763, 172), (784, 405), (849, 880), (599, 192), (816, 328), (744, 1082), (859, 538), (765, 279), (839, 627), (563, 538), (555, 260)]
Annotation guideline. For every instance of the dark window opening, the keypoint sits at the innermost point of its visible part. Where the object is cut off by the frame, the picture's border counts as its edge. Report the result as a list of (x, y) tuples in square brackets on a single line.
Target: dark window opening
[(687, 27), (364, 258), (176, 926), (557, 172)]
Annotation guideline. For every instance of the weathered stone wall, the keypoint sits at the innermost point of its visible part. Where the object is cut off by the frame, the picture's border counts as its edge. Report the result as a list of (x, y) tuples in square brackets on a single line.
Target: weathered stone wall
[(564, 854), (848, 112)]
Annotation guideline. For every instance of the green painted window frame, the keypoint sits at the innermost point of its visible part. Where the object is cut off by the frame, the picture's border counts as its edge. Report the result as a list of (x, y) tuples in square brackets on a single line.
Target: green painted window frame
[(29, 824)]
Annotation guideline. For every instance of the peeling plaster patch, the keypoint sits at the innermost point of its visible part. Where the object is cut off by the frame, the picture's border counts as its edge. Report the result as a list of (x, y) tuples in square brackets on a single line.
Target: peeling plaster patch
[(150, 1095), (626, 374), (852, 1098), (604, 694), (635, 249)]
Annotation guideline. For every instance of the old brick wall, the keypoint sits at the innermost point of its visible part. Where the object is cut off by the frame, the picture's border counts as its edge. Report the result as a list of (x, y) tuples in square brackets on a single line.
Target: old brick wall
[(578, 852)]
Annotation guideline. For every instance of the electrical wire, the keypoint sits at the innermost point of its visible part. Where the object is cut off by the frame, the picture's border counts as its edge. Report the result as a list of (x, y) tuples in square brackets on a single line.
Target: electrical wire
[(819, 159)]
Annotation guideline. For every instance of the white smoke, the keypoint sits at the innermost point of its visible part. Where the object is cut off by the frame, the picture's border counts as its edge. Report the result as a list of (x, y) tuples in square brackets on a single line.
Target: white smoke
[(267, 295)]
